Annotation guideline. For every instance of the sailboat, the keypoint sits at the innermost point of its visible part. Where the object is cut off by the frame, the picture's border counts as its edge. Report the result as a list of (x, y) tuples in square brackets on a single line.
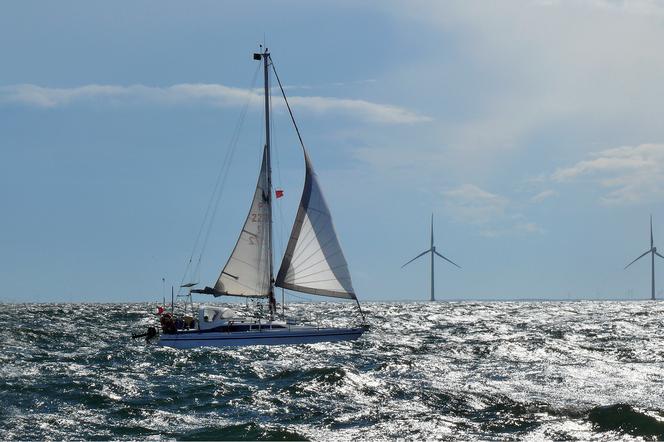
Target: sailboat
[(313, 263)]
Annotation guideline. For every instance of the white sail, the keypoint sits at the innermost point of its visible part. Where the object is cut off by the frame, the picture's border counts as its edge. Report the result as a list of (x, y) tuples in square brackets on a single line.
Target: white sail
[(247, 272), (314, 262)]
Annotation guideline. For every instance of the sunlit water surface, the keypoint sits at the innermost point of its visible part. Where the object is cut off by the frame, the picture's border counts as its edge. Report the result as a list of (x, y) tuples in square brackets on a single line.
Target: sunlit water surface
[(488, 370)]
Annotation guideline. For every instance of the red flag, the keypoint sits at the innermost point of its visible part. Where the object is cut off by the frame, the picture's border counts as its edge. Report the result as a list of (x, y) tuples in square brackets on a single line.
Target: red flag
[(279, 193)]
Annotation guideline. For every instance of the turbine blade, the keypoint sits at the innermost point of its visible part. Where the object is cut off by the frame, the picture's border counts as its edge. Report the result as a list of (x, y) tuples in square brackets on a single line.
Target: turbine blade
[(657, 253), (423, 253), (448, 260), (651, 240), (637, 259)]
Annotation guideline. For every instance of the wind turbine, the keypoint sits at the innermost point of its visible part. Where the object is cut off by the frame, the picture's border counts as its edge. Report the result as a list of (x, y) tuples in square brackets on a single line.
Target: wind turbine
[(653, 252), (433, 252)]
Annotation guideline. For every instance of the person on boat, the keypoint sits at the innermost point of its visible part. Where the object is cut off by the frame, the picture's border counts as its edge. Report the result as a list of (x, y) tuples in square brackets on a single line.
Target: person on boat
[(189, 322), (273, 305), (168, 323)]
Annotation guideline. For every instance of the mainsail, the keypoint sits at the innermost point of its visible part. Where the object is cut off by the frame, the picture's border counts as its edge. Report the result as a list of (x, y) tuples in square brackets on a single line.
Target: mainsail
[(247, 272), (314, 262)]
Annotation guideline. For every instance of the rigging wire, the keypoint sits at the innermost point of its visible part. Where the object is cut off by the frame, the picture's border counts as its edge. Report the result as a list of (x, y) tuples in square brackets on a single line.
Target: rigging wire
[(280, 181), (217, 192), (290, 112), (299, 137), (281, 222)]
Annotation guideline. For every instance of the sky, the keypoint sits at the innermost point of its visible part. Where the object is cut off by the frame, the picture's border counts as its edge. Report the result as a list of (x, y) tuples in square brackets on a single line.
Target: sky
[(531, 129)]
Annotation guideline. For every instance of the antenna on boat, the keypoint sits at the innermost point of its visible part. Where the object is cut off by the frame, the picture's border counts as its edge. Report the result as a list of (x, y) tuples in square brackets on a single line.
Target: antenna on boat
[(283, 304), (433, 252), (653, 252)]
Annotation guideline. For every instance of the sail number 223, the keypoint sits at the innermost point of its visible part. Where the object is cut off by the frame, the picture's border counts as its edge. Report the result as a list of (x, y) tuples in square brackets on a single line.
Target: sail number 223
[(258, 217)]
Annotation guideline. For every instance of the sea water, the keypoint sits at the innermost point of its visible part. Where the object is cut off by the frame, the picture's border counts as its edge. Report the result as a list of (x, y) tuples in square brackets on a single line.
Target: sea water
[(446, 370)]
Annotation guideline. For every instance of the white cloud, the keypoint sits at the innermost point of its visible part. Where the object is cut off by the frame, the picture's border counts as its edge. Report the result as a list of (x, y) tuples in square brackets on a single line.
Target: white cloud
[(207, 94), (376, 113), (631, 174), (529, 227), (529, 68), (469, 203), (515, 228), (645, 7), (494, 214), (545, 194), (213, 94)]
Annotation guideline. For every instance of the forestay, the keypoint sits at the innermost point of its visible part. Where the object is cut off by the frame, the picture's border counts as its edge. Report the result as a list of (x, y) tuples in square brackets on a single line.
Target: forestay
[(314, 262), (247, 272)]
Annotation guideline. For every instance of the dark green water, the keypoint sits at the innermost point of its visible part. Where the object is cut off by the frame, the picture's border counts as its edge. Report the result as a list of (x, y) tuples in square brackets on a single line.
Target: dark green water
[(471, 370)]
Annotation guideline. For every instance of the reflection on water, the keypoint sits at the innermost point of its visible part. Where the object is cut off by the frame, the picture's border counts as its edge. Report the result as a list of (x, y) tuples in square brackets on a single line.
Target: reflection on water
[(541, 370)]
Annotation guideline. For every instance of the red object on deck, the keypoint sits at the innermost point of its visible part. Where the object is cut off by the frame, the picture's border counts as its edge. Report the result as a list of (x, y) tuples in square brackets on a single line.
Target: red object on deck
[(160, 310)]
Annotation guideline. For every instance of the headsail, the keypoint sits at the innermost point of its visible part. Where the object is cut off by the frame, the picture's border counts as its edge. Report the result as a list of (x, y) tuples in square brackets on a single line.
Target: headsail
[(247, 272), (314, 262)]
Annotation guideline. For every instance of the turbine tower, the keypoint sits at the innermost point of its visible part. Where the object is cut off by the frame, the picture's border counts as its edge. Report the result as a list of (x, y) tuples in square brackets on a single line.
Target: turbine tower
[(433, 252), (653, 252)]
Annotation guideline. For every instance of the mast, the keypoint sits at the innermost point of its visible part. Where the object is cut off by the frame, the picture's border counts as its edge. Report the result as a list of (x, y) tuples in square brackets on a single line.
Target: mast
[(265, 55)]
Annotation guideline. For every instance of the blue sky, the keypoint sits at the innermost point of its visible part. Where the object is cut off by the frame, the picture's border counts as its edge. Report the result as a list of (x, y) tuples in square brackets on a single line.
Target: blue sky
[(531, 129)]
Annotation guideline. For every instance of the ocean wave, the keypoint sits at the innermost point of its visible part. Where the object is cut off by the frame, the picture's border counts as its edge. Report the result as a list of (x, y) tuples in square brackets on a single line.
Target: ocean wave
[(434, 371), (627, 419)]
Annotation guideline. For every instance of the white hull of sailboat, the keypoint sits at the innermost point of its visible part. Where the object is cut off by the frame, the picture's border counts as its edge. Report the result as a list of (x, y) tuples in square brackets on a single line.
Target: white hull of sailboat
[(295, 335)]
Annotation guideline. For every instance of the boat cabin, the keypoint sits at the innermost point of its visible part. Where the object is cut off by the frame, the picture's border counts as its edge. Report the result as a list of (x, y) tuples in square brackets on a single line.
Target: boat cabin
[(213, 317)]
